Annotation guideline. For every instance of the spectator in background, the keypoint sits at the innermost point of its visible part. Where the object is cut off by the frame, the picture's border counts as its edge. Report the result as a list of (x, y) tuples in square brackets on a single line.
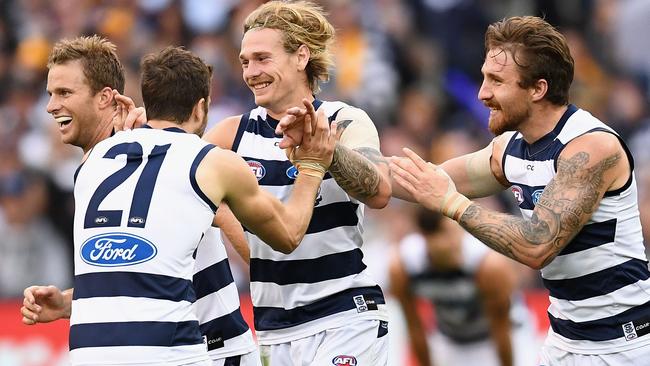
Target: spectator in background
[(31, 249), (480, 314)]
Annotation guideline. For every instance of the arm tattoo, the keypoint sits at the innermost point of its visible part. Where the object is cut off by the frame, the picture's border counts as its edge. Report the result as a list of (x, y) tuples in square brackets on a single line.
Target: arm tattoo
[(355, 170), (342, 125), (565, 205)]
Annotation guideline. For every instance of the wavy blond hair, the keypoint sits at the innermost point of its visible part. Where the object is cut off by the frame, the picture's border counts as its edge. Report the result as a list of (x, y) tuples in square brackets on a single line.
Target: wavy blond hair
[(301, 23)]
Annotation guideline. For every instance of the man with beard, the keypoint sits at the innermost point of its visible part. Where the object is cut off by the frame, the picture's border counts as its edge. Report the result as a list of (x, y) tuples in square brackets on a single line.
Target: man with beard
[(573, 179)]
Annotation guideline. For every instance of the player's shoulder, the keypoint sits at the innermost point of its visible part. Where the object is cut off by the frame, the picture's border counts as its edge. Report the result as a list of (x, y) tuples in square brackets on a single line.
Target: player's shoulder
[(223, 133)]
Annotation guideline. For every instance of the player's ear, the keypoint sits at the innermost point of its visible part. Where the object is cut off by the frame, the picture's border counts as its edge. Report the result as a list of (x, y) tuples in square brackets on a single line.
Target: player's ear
[(106, 99), (304, 55), (539, 89), (200, 109)]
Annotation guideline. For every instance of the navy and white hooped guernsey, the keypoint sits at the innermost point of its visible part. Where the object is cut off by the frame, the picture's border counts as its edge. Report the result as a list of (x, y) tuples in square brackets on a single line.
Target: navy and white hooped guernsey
[(139, 217), (217, 303), (599, 283), (323, 284)]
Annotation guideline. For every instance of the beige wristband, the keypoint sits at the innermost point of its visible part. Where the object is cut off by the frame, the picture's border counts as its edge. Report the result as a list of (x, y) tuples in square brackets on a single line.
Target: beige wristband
[(454, 205), (310, 168)]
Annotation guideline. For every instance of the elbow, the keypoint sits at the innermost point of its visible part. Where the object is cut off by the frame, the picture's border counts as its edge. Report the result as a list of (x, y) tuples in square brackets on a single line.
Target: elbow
[(289, 244), (381, 199), (377, 202), (541, 261)]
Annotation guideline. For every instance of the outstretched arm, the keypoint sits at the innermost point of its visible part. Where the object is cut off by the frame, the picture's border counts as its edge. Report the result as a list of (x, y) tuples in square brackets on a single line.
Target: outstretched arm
[(43, 304), (478, 174), (225, 176), (588, 167)]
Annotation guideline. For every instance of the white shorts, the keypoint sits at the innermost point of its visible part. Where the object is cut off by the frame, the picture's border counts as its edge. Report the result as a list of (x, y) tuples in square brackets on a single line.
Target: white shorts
[(248, 359), (552, 356), (363, 342)]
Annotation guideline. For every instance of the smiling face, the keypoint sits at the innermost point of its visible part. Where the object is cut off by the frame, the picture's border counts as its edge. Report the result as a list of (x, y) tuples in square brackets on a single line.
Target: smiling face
[(273, 75), (509, 103), (72, 104)]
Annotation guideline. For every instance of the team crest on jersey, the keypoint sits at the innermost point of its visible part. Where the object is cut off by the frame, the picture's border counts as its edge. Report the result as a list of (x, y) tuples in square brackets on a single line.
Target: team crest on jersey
[(258, 169), (344, 360), (117, 249), (292, 172), (536, 195), (518, 193)]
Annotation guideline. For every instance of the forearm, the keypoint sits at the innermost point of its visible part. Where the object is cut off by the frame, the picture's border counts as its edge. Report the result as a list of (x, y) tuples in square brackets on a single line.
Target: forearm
[(296, 214), (532, 242), (358, 173), (232, 231)]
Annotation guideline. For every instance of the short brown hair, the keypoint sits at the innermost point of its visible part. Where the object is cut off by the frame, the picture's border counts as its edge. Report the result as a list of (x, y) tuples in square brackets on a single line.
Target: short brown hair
[(539, 50), (173, 81), (101, 67), (301, 23)]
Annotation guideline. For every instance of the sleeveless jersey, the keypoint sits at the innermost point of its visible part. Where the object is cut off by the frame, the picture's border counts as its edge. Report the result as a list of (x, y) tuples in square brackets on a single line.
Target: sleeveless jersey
[(139, 217), (598, 284), (454, 294), (324, 283), (217, 301)]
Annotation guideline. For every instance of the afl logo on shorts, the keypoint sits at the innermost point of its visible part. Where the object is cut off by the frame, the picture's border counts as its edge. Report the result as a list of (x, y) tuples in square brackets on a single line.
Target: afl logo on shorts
[(117, 249), (344, 360), (292, 172), (518, 193), (258, 169)]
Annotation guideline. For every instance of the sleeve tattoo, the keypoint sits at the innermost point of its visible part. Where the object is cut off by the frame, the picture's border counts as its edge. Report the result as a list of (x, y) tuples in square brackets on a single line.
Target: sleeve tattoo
[(356, 170), (565, 205)]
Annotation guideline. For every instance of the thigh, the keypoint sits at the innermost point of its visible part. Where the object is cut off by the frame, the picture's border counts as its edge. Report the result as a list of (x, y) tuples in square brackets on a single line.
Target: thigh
[(360, 343)]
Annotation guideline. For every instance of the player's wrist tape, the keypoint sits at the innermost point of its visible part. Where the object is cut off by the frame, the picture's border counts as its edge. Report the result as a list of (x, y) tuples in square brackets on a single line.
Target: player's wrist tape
[(454, 205), (311, 168)]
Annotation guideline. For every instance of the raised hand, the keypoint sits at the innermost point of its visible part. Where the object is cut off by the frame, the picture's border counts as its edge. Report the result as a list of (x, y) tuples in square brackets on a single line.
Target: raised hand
[(318, 141), (428, 184), (127, 115), (297, 122), (43, 304)]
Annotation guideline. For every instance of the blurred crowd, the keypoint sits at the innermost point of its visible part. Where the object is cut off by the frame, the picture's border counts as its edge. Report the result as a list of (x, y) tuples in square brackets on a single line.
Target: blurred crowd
[(413, 65)]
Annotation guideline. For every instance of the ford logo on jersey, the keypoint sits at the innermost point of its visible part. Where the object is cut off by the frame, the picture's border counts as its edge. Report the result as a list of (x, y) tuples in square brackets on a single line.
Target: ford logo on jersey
[(292, 172), (117, 249)]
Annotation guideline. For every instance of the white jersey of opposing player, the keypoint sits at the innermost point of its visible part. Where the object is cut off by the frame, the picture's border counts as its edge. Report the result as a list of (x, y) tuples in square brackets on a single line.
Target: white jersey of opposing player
[(324, 283), (138, 220), (217, 305)]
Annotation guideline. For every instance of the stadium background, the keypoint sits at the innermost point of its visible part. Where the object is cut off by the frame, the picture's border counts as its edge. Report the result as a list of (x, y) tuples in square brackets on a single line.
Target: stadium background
[(413, 65)]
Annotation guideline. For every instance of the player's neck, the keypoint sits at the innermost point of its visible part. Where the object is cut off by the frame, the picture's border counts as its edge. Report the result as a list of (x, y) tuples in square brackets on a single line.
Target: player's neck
[(103, 131), (542, 121), (279, 110), (161, 123)]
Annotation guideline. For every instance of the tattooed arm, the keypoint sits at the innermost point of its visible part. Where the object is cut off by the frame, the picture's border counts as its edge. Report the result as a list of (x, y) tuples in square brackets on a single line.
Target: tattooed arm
[(589, 166), (358, 166)]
